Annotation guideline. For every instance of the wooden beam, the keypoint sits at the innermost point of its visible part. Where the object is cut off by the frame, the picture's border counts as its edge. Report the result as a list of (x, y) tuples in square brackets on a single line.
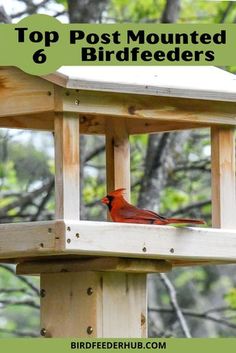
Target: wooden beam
[(117, 156), (96, 124), (72, 301), (73, 239), (80, 305), (150, 107), (147, 241), (67, 310), (70, 239), (131, 305), (67, 171), (27, 238), (223, 177), (114, 264), (23, 94), (42, 121)]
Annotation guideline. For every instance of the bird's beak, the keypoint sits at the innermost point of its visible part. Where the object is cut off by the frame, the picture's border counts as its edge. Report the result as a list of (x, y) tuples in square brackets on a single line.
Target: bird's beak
[(105, 200)]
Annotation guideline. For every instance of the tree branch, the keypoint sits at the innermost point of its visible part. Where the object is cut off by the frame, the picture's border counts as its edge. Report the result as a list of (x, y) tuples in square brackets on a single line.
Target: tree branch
[(190, 207), (27, 302), (19, 333), (21, 278), (25, 199), (175, 305), (196, 315), (4, 18)]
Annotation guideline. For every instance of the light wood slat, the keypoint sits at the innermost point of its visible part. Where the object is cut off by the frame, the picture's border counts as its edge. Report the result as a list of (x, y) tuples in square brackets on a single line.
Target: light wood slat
[(24, 94), (67, 184), (43, 121), (223, 178), (119, 240), (116, 240), (24, 239), (147, 241), (91, 125), (67, 310), (176, 81), (149, 107), (124, 310), (117, 156), (114, 264), (127, 291)]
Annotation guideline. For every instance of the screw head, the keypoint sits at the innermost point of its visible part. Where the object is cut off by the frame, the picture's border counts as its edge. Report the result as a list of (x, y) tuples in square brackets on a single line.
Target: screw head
[(82, 119), (77, 235), (89, 330), (49, 230), (42, 293), (144, 249), (90, 291), (68, 240), (68, 228), (49, 93), (43, 332), (172, 250), (77, 101)]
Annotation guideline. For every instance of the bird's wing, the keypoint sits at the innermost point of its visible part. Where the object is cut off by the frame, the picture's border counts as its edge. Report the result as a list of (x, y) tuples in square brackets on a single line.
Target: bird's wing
[(138, 214)]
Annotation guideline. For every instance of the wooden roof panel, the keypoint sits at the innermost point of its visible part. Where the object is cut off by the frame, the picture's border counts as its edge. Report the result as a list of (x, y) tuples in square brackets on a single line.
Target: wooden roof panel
[(200, 82)]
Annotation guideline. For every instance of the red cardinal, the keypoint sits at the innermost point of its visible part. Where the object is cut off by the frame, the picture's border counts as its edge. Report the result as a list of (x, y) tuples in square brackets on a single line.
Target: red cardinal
[(121, 211)]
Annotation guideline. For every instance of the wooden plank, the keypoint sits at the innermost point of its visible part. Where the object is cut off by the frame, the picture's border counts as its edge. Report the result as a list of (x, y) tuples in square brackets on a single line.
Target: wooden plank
[(149, 107), (127, 291), (96, 124), (147, 241), (42, 121), (149, 126), (67, 171), (24, 94), (124, 295), (118, 156), (70, 239), (223, 178), (186, 81), (114, 264), (86, 301), (67, 310), (27, 239)]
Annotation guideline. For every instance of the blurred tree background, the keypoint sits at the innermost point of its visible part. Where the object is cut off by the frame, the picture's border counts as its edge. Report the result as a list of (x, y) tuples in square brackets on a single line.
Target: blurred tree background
[(170, 174)]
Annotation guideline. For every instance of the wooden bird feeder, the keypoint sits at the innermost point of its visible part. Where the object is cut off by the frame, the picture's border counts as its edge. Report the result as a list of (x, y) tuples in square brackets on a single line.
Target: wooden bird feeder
[(93, 274)]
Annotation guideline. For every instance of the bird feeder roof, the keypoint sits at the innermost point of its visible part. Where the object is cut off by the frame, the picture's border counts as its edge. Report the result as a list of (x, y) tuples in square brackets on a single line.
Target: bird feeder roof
[(200, 82)]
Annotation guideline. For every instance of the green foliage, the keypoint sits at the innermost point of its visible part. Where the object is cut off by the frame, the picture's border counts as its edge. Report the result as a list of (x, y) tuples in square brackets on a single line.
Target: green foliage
[(230, 298), (151, 10), (135, 11)]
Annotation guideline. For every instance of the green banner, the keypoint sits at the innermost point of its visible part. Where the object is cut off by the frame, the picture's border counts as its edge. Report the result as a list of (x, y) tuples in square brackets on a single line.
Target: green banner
[(40, 44), (170, 345)]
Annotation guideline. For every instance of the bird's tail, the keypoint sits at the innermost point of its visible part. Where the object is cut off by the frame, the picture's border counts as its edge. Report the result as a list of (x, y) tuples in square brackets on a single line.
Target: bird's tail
[(184, 220)]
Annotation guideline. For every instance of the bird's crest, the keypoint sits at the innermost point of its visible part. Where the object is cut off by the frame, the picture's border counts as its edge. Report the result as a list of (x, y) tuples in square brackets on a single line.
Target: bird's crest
[(117, 192)]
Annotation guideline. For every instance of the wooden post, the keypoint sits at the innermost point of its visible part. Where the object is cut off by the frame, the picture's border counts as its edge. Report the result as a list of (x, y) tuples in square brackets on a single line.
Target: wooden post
[(131, 309), (90, 304), (67, 189), (223, 177), (57, 319), (118, 156)]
